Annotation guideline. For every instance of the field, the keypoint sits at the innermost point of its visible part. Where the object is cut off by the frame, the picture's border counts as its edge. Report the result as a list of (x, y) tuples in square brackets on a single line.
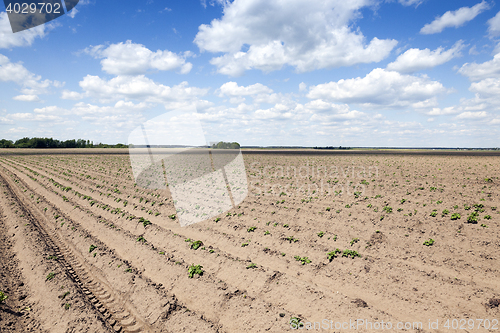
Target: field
[(324, 239)]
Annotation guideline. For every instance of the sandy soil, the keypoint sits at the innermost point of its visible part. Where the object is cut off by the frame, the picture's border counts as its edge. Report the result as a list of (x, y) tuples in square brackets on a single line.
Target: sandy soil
[(84, 250)]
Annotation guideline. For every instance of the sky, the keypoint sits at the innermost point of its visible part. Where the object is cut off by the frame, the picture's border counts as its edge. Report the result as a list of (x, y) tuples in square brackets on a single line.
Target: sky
[(359, 73)]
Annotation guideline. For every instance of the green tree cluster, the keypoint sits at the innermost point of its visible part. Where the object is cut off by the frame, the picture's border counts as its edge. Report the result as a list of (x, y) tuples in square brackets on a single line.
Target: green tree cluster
[(226, 145), (53, 143)]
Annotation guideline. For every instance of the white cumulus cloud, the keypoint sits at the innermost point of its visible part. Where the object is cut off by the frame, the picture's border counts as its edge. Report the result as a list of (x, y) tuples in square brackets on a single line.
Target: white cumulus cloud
[(23, 38), (411, 2), (133, 59), (232, 89), (473, 115), (488, 69), (307, 35), (27, 98), (139, 88), (494, 25), (455, 18), (73, 95), (31, 84), (415, 59), (381, 87)]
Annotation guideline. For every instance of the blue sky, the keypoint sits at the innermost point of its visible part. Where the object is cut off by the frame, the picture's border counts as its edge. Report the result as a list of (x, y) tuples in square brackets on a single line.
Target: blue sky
[(401, 73)]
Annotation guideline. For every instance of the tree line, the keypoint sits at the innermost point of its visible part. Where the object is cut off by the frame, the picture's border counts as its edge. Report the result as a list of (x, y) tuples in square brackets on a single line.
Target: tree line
[(54, 143), (226, 145)]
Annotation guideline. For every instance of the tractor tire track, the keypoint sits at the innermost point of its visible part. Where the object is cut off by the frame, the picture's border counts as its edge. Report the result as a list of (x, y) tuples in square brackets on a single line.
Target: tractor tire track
[(117, 313)]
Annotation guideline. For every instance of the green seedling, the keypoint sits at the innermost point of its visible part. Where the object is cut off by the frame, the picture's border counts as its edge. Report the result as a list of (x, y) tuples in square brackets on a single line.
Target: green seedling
[(445, 212), (252, 265), (333, 254), (172, 216), (244, 244), (291, 239), (303, 260), (251, 229), (321, 234), (350, 253), (354, 240), (473, 218), (50, 276), (196, 244), (455, 216), (429, 242), (484, 225), (67, 306), (267, 232), (487, 217), (296, 323), (195, 269), (217, 219), (479, 207), (434, 213), (92, 248), (3, 297), (141, 239), (63, 296), (144, 222)]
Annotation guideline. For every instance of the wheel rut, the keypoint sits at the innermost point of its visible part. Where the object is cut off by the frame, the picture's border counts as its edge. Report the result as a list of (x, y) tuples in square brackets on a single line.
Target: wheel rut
[(114, 309)]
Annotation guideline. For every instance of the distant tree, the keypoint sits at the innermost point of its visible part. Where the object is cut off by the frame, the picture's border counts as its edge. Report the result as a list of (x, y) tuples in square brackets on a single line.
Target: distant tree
[(22, 143), (6, 144), (226, 145)]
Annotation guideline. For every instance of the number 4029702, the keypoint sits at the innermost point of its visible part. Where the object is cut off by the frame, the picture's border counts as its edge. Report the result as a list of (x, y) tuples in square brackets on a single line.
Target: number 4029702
[(462, 324), (32, 8)]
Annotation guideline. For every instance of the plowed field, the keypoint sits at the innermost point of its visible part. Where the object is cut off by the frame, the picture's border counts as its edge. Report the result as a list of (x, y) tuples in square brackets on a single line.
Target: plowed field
[(344, 242)]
